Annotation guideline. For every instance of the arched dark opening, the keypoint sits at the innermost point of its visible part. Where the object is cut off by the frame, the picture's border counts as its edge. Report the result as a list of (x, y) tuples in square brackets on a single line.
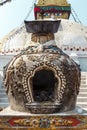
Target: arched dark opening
[(44, 86)]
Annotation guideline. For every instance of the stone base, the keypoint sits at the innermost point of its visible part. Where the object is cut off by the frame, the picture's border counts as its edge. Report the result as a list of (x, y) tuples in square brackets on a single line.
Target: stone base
[(9, 112), (72, 120), (38, 108)]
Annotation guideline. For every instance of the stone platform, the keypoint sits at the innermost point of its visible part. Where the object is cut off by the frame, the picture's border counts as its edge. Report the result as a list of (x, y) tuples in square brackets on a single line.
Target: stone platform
[(72, 120)]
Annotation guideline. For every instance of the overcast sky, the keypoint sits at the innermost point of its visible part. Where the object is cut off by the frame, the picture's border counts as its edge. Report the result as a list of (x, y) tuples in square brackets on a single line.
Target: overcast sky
[(13, 14)]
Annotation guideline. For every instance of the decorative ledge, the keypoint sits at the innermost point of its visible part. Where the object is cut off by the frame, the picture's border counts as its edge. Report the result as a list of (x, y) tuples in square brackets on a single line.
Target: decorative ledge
[(42, 26), (45, 122)]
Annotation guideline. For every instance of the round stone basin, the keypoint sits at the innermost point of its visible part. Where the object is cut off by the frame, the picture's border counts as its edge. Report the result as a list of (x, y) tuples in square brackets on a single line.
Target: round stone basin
[(42, 26)]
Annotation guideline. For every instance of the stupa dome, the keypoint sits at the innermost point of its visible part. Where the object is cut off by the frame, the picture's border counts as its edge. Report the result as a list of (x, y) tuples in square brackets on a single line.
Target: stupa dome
[(74, 40), (71, 35)]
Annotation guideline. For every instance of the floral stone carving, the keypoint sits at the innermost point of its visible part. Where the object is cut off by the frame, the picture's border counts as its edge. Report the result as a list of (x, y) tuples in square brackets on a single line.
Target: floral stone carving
[(42, 79)]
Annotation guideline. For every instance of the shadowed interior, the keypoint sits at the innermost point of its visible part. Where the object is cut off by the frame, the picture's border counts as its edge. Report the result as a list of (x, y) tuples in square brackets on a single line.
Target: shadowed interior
[(44, 86)]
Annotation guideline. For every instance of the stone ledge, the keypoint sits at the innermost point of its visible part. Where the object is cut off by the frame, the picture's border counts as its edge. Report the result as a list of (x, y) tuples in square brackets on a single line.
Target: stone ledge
[(43, 122)]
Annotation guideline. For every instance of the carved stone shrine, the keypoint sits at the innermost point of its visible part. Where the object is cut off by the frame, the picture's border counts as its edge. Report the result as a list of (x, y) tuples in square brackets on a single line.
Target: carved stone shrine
[(42, 79)]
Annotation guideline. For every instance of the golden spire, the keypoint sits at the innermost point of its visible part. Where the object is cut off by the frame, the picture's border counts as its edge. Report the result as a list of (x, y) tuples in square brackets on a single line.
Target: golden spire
[(53, 2)]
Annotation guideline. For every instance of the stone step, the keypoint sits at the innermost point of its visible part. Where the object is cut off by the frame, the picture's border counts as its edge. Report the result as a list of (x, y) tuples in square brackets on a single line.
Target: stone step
[(5, 100), (3, 94), (82, 92), (85, 108), (83, 78), (83, 86), (83, 89), (83, 81), (82, 104), (2, 90), (82, 99), (82, 95), (4, 105)]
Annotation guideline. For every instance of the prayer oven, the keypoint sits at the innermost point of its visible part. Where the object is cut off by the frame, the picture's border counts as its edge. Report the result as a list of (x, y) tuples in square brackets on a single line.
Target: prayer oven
[(42, 79)]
